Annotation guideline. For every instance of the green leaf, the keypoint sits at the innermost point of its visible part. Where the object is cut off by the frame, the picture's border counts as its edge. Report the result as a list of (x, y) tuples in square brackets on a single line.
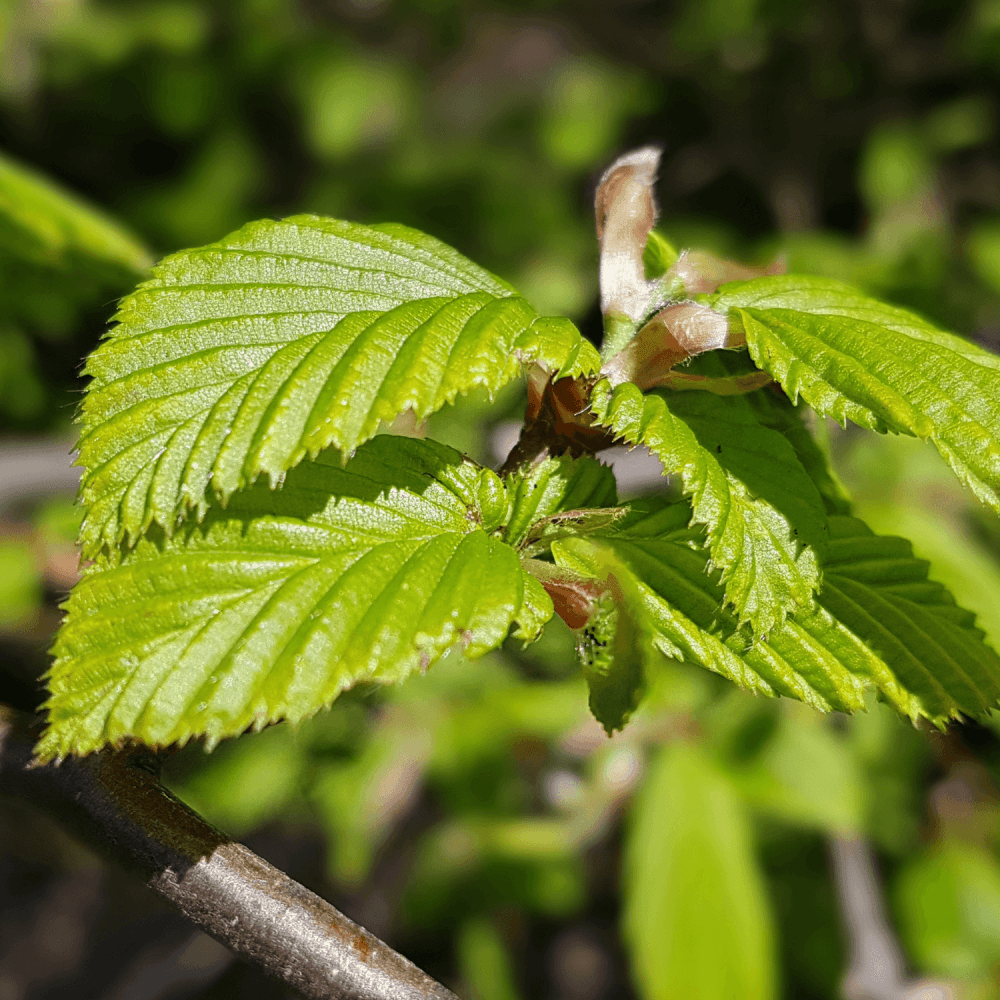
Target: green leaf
[(766, 569), (43, 224), (877, 588), (853, 358), (363, 573), (879, 622), (281, 340), (779, 414), (612, 648), (948, 901), (776, 411), (759, 457), (556, 495), (658, 255), (696, 918)]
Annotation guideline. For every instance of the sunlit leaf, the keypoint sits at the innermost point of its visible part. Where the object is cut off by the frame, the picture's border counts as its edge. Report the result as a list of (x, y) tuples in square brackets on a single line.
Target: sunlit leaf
[(854, 358), (879, 622), (281, 340), (767, 569), (270, 608)]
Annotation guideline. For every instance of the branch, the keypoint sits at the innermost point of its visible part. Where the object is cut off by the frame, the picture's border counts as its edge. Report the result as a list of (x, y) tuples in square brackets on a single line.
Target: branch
[(876, 969), (114, 801)]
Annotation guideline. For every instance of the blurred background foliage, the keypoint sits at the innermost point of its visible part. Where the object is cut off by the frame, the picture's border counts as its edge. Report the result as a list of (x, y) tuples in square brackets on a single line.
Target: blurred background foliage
[(477, 817)]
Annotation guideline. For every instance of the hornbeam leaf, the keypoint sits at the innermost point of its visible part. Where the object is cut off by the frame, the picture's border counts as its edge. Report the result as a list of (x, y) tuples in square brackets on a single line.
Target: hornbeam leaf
[(853, 358), (558, 494), (362, 573), (879, 621), (762, 458), (283, 339), (767, 570), (776, 411)]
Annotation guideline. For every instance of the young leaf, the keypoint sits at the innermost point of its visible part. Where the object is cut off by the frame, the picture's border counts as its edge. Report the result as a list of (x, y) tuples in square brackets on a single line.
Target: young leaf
[(558, 492), (880, 622), (760, 457), (767, 570), (696, 915), (267, 610), (281, 340), (776, 411), (612, 648), (853, 358)]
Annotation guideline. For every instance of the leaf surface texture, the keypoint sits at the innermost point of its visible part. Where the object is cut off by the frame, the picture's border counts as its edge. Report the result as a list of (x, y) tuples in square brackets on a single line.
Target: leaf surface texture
[(283, 339), (853, 358), (363, 573)]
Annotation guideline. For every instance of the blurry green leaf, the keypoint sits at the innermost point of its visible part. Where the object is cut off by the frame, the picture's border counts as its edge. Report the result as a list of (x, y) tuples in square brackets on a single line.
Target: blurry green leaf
[(948, 907), (959, 124), (585, 107), (880, 622), (358, 800), (352, 103), (44, 224), (983, 251), (805, 775), (484, 962), (766, 569), (270, 608), (851, 357), (283, 339), (895, 166), (247, 783), (22, 394), (696, 919), (20, 581), (210, 197), (705, 24)]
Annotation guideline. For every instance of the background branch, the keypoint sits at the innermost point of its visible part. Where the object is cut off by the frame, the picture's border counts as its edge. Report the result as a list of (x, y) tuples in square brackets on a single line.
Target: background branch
[(876, 968), (114, 802)]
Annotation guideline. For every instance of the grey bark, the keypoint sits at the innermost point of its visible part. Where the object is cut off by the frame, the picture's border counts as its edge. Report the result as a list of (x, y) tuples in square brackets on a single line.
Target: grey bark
[(876, 967), (113, 800)]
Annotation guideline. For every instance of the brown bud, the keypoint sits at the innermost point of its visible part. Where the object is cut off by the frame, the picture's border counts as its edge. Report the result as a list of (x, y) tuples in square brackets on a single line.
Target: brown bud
[(625, 211), (674, 334), (702, 272)]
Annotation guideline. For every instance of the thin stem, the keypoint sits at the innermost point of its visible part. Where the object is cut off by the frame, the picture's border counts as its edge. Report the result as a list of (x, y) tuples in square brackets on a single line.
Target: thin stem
[(113, 800)]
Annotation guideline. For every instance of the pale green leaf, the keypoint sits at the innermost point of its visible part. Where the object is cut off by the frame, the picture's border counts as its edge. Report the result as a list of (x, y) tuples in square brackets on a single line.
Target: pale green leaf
[(879, 622), (804, 775), (363, 573), (281, 340), (696, 916), (853, 358), (767, 570)]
